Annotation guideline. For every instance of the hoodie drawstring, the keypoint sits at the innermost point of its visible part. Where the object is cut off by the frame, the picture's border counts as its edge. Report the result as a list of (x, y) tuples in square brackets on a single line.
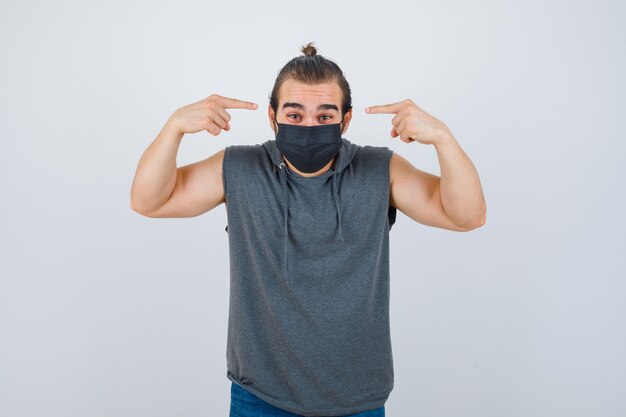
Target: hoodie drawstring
[(333, 183), (283, 180)]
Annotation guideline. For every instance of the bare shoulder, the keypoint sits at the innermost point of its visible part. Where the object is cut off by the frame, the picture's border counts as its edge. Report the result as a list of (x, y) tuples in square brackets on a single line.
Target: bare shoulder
[(199, 188)]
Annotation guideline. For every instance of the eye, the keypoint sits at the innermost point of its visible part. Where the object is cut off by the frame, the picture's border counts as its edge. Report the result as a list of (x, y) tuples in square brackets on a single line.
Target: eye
[(293, 114), (329, 117)]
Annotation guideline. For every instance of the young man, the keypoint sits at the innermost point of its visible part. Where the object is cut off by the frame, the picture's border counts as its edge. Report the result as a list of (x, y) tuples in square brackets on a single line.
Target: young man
[(309, 215)]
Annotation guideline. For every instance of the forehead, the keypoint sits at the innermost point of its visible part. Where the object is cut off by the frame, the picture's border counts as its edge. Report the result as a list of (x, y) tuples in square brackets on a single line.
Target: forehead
[(310, 95)]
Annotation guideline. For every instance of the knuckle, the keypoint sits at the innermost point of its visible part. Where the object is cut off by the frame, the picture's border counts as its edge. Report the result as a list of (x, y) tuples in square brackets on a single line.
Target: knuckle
[(215, 120)]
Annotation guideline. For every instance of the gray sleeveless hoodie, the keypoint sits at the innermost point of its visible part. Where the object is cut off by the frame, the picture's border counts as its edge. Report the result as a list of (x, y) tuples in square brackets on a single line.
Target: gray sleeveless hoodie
[(308, 324)]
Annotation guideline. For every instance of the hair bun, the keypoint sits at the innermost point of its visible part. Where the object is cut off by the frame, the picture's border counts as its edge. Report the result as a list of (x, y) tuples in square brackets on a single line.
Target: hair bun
[(309, 49)]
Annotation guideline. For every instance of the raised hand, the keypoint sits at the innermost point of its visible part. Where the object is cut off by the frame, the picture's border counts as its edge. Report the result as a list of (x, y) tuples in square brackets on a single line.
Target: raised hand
[(412, 123), (208, 114)]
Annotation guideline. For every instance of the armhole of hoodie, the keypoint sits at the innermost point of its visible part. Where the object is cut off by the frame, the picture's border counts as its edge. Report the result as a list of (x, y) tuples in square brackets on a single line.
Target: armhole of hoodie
[(225, 170), (391, 211), (225, 177)]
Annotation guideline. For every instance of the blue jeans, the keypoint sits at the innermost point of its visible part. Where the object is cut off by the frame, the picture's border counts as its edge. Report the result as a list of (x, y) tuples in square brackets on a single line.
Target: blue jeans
[(245, 404)]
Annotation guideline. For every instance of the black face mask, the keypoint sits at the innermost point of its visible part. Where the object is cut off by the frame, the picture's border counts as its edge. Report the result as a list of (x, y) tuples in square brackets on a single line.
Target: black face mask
[(308, 148)]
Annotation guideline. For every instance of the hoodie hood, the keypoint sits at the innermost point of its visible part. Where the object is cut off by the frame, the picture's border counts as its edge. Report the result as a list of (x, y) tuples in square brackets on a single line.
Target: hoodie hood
[(343, 158)]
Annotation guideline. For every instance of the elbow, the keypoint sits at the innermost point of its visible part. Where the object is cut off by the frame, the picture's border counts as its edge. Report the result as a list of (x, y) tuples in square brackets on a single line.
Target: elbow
[(134, 208), (137, 209), (133, 205), (139, 205), (481, 220), (483, 216)]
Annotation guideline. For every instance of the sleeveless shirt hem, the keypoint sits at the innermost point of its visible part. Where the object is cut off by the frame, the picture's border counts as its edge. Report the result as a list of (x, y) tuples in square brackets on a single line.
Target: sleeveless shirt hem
[(335, 412)]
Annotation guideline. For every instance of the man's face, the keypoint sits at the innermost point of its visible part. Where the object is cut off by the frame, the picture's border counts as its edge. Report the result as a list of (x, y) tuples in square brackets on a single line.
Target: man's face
[(309, 105)]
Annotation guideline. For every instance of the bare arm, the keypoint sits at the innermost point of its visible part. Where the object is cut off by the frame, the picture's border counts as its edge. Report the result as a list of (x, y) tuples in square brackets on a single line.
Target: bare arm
[(453, 201), (159, 188), (156, 174), (459, 186), (198, 188), (416, 193)]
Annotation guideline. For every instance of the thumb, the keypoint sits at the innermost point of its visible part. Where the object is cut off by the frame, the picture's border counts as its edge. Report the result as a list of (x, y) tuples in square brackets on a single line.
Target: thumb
[(393, 132)]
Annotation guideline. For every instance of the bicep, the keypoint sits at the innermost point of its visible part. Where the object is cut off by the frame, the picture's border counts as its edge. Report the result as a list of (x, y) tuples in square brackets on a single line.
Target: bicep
[(416, 193), (199, 188)]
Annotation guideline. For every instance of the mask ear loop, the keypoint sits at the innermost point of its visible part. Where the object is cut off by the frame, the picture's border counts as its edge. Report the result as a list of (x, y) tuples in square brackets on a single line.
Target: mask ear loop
[(276, 132), (340, 123), (275, 124), (340, 133)]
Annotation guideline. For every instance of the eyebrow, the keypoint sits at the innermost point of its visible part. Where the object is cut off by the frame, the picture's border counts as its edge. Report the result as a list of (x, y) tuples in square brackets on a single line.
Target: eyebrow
[(320, 107)]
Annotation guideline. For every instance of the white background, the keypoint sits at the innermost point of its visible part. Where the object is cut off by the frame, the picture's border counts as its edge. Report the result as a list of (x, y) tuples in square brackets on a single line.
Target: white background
[(104, 312)]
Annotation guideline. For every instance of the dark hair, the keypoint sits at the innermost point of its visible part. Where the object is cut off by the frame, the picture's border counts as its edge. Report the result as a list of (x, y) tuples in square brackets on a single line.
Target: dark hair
[(311, 68)]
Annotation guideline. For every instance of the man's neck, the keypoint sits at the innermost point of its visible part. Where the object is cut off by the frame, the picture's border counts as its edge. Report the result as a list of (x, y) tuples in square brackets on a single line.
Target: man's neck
[(310, 174)]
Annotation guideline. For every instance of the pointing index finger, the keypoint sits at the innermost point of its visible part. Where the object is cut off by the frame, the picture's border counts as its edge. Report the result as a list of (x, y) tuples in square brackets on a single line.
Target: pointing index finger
[(387, 108), (233, 103)]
